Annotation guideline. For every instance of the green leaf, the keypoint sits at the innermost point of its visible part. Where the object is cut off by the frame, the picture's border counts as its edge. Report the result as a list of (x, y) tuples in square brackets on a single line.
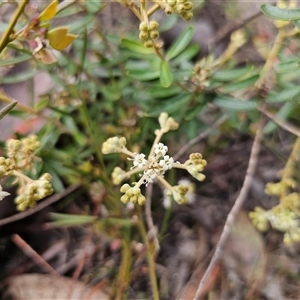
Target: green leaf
[(81, 23), (186, 55), (240, 85), (159, 92), (136, 47), (284, 14), (181, 43), (283, 96), (283, 113), (71, 220), (288, 66), (234, 104), (14, 61), (166, 76), (5, 110), (229, 75), (20, 77), (144, 75), (176, 104)]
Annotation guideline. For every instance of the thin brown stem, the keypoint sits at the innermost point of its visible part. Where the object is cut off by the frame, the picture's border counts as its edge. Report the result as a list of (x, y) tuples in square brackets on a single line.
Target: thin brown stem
[(234, 211)]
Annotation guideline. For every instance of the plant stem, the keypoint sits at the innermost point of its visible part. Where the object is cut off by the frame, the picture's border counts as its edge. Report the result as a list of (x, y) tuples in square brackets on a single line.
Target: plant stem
[(5, 37), (150, 247)]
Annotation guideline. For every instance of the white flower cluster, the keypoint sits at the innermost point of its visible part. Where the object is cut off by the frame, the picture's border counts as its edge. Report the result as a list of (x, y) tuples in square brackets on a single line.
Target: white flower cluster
[(156, 164)]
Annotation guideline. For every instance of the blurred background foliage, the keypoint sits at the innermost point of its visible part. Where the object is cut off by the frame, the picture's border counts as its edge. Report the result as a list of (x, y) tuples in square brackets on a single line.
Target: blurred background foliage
[(106, 83)]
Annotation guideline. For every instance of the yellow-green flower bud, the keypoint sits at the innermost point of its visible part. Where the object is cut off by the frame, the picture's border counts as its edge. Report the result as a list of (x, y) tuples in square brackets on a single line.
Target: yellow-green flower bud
[(143, 26), (172, 124), (124, 188), (124, 199), (180, 199), (180, 8), (188, 6), (118, 175), (13, 146), (172, 3), (141, 200), (154, 34), (168, 11), (273, 189), (148, 44), (113, 145), (187, 16), (144, 35), (153, 25)]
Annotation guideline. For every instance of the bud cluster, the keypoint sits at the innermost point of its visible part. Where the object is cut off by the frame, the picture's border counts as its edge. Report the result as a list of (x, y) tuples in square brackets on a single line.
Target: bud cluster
[(20, 158), (34, 191), (153, 167), (281, 219), (148, 33), (132, 194), (285, 216), (182, 7), (22, 151)]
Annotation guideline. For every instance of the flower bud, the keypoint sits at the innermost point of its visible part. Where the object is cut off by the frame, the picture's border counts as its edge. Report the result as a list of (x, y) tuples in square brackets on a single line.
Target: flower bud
[(154, 34)]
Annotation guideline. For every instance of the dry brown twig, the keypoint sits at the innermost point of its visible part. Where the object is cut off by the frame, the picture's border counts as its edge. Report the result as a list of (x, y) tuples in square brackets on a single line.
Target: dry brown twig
[(33, 255), (235, 209), (283, 124)]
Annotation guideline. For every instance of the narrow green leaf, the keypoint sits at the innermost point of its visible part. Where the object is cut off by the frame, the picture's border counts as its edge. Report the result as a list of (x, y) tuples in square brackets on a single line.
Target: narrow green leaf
[(229, 75), (135, 46), (14, 61), (144, 75), (234, 104), (283, 113), (181, 43), (186, 55), (240, 85), (5, 110), (287, 66), (284, 14), (166, 76), (159, 92), (173, 105), (71, 220), (283, 96), (28, 74)]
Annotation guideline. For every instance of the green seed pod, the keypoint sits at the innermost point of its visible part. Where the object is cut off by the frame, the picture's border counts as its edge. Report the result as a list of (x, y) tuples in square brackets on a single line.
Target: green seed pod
[(154, 34)]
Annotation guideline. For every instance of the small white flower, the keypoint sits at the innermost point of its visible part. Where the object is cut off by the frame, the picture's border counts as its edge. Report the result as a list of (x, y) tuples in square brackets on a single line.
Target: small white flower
[(3, 194), (139, 161), (150, 175), (167, 162), (160, 149)]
